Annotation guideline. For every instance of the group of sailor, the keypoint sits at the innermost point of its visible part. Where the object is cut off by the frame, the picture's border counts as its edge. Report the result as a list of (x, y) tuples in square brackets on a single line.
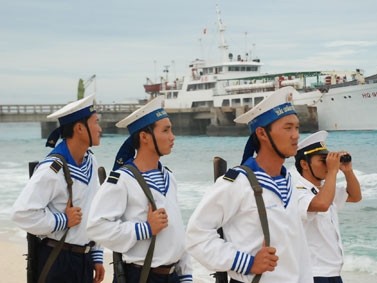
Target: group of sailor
[(304, 243)]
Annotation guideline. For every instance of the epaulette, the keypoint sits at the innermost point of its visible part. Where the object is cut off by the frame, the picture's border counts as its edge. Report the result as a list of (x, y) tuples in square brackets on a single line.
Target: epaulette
[(168, 169), (314, 191), (113, 177), (231, 175), (56, 165)]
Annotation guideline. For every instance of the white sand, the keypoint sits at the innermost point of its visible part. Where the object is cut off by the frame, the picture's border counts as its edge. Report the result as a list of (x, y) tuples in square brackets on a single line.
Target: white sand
[(13, 266)]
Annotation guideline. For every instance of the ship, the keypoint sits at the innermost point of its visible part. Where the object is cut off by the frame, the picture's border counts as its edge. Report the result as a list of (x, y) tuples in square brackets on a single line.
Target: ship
[(326, 100)]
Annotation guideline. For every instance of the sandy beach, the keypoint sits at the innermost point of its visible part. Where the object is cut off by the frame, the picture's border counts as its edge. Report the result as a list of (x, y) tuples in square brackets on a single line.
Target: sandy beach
[(13, 266)]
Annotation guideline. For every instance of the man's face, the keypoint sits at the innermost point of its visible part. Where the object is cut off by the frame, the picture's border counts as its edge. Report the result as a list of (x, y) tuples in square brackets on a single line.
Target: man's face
[(318, 164), (164, 136), (95, 129), (285, 134)]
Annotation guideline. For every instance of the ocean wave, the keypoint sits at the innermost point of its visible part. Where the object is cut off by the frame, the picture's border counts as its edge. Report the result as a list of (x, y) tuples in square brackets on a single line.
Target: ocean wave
[(360, 264)]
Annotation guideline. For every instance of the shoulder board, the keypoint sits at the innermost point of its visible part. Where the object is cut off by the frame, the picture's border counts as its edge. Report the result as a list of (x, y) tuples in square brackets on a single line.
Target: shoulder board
[(314, 191), (231, 175), (56, 165), (113, 177), (301, 188), (168, 169)]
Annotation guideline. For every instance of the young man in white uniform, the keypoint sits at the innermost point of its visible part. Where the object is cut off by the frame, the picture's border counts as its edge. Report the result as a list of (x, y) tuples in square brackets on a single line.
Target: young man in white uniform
[(231, 204), (319, 203), (41, 208), (121, 217)]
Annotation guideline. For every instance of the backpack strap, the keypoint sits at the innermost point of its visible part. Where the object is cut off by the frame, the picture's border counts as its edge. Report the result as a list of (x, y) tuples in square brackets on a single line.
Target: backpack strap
[(55, 252), (148, 258), (261, 209)]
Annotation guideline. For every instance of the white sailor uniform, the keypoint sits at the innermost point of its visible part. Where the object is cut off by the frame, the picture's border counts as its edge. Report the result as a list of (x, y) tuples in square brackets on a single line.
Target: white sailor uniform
[(40, 208), (322, 230), (232, 206), (118, 220)]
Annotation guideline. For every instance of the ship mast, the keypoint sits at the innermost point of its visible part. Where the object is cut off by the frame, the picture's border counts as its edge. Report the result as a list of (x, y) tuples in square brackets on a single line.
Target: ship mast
[(223, 46)]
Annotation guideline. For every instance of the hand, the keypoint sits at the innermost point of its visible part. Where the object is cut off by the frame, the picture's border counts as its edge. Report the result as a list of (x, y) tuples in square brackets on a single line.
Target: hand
[(99, 273), (74, 214), (157, 219), (347, 166), (333, 162), (265, 260)]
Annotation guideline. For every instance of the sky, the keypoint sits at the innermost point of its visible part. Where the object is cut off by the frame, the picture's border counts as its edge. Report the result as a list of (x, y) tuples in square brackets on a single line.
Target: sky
[(46, 46)]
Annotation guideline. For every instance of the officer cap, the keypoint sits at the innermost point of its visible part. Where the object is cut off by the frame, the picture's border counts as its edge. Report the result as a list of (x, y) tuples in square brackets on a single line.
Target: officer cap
[(312, 145)]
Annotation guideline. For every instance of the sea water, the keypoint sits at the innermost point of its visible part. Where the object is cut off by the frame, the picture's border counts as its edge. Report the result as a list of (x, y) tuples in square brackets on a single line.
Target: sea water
[(192, 163)]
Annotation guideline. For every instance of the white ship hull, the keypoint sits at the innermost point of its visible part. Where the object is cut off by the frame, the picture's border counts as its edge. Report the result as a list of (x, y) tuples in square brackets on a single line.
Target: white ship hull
[(344, 108)]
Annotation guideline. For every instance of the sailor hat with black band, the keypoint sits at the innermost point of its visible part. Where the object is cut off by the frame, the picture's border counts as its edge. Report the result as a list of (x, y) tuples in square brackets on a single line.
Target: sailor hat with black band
[(312, 145), (146, 115), (70, 113), (274, 107)]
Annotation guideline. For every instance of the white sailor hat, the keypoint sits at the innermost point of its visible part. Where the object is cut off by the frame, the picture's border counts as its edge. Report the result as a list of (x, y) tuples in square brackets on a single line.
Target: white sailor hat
[(144, 116), (70, 113), (272, 108), (74, 111), (312, 145)]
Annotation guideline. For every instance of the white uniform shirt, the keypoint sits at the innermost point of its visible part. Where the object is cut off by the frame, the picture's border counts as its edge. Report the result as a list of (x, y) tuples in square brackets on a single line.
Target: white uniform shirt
[(322, 230), (118, 219), (40, 208), (232, 205)]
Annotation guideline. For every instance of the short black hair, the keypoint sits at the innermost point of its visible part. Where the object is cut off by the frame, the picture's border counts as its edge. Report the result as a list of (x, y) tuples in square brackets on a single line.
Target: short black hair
[(67, 130), (136, 136)]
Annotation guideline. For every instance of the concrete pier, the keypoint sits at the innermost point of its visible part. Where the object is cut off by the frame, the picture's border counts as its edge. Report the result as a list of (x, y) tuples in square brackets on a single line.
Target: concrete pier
[(196, 121)]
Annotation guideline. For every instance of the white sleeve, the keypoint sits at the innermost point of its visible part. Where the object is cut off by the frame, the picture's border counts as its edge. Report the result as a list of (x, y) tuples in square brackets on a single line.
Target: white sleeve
[(217, 207), (305, 197), (106, 223), (31, 212)]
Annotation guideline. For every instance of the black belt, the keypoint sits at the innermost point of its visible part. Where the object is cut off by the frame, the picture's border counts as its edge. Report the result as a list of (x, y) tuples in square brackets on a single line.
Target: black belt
[(69, 247), (161, 270)]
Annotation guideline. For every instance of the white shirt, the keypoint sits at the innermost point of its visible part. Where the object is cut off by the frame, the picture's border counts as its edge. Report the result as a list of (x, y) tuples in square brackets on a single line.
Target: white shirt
[(232, 205), (40, 207), (322, 230), (118, 219)]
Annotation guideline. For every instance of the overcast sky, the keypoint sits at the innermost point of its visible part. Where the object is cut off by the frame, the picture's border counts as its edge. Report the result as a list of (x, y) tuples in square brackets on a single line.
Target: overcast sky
[(46, 46)]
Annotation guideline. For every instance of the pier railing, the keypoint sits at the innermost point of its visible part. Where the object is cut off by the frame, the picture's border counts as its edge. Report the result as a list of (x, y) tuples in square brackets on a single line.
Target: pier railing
[(38, 113)]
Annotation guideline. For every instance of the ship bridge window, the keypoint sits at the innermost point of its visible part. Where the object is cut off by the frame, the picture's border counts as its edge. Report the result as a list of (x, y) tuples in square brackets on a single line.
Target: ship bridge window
[(236, 102), (225, 102), (251, 68), (258, 99), (248, 101)]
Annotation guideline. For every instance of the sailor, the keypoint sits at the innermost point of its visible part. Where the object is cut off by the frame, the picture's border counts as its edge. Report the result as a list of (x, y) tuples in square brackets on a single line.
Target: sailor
[(320, 200), (231, 204), (43, 207), (121, 217)]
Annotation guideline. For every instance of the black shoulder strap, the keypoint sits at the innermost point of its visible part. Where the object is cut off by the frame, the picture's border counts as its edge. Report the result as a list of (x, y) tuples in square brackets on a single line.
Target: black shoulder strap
[(148, 259), (261, 209), (67, 174), (142, 184), (55, 252)]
